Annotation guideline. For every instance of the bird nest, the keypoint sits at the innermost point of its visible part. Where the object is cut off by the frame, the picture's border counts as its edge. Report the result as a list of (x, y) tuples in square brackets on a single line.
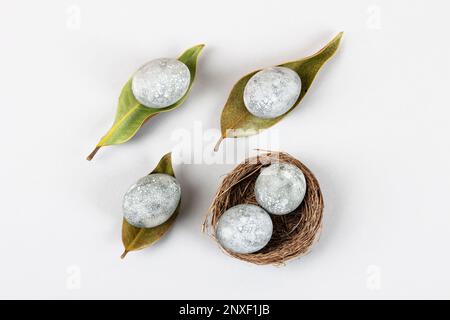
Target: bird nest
[(293, 233)]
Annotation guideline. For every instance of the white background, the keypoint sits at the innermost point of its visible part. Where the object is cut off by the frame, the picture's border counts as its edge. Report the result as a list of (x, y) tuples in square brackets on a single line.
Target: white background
[(374, 128)]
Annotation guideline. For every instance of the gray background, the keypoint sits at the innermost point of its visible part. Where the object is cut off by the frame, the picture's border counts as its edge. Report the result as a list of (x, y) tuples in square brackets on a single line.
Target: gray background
[(374, 129)]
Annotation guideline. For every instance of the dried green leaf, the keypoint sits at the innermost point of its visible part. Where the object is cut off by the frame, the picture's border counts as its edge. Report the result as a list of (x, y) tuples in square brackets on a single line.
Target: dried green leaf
[(134, 238), (237, 122), (131, 115)]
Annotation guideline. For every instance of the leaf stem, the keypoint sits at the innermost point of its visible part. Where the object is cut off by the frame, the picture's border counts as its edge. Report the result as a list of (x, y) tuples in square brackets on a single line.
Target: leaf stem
[(124, 254), (216, 148), (93, 153)]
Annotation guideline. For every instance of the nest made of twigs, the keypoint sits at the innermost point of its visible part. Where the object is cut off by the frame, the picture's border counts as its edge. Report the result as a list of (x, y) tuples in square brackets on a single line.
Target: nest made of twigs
[(293, 233)]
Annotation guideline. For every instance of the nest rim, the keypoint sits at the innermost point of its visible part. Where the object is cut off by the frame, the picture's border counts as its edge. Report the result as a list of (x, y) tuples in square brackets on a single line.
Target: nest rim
[(294, 233)]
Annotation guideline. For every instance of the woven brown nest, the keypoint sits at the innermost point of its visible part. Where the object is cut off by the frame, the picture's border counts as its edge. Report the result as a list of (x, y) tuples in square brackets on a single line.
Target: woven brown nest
[(294, 233)]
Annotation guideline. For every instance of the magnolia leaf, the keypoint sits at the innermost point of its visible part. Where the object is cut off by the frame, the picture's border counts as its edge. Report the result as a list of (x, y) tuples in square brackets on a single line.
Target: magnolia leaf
[(131, 114), (134, 238), (237, 122)]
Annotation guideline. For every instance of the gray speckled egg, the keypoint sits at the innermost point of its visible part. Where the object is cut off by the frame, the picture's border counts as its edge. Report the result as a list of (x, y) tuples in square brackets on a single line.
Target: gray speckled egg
[(161, 82), (244, 228), (152, 200), (272, 92), (280, 188)]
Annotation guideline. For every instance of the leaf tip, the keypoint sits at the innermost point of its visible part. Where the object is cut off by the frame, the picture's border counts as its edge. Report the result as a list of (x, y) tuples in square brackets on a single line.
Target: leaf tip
[(195, 50), (199, 48), (339, 36), (93, 153), (168, 156)]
